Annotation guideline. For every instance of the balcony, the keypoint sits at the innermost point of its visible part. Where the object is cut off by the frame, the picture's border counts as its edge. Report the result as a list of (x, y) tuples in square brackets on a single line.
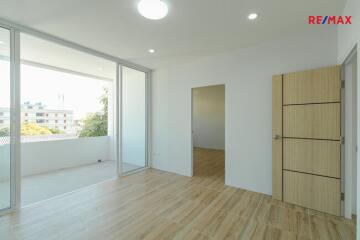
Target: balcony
[(57, 164)]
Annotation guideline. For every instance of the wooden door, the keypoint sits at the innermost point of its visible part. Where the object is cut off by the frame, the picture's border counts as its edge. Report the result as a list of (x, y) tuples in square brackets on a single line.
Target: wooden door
[(307, 138)]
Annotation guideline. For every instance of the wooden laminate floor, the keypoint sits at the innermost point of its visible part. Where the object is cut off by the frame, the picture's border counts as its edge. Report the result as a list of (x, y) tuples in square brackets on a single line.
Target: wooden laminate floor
[(159, 205)]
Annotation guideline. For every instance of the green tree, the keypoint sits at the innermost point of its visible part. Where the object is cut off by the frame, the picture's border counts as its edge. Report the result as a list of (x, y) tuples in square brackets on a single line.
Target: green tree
[(4, 132), (56, 131), (96, 124)]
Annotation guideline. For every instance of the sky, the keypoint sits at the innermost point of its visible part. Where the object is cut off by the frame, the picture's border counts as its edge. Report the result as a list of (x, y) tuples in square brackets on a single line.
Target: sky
[(81, 94)]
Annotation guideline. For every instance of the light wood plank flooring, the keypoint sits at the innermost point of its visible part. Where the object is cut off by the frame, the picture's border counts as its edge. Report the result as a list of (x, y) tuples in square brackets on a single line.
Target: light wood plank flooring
[(159, 205)]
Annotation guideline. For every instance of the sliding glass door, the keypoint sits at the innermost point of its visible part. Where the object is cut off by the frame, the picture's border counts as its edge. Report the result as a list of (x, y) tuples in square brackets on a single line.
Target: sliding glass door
[(5, 123), (133, 120), (71, 113), (67, 119)]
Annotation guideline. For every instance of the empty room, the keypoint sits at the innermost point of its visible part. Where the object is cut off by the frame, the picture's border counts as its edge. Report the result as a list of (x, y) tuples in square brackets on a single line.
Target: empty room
[(208, 134), (169, 119)]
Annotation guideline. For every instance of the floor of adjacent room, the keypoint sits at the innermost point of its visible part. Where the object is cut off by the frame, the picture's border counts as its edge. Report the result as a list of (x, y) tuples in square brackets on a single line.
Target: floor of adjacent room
[(40, 187), (154, 204)]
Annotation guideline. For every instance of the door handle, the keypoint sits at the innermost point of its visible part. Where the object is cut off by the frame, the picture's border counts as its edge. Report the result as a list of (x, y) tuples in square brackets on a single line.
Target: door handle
[(277, 137)]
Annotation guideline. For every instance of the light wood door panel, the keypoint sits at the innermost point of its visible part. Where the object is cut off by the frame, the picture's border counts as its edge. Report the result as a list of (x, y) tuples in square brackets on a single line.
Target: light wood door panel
[(277, 143), (307, 152), (315, 192), (312, 86), (319, 121), (312, 156)]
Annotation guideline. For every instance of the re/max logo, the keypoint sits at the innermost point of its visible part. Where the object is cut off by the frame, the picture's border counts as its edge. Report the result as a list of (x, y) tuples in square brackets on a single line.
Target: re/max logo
[(329, 19)]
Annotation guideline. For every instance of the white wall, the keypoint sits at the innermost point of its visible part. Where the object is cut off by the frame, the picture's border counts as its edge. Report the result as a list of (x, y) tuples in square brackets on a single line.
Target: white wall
[(209, 117), (45, 156), (247, 74), (349, 35)]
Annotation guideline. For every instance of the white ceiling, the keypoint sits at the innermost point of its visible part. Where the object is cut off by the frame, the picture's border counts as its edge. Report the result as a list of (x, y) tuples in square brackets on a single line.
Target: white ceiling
[(192, 27)]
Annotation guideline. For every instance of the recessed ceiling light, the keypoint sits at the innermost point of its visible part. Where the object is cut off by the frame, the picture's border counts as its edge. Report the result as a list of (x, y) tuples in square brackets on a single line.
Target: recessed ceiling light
[(151, 50), (152, 9), (99, 68), (2, 43), (252, 16)]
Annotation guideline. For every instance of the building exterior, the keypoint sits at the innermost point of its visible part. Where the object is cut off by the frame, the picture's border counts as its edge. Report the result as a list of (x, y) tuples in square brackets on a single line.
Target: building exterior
[(4, 117), (37, 113)]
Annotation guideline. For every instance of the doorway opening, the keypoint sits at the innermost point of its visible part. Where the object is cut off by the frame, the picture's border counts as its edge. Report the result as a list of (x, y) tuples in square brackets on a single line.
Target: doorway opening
[(208, 133)]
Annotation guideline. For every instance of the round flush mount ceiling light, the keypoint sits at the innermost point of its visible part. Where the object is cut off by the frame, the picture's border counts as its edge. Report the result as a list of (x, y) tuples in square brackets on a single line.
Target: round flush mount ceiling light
[(152, 9), (253, 16), (151, 50)]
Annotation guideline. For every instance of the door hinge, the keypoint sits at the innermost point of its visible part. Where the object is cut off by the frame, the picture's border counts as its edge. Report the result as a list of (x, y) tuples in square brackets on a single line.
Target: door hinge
[(342, 83), (342, 140), (342, 196)]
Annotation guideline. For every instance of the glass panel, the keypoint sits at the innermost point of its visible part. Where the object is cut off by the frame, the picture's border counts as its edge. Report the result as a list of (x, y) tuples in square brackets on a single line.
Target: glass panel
[(67, 121), (5, 159), (133, 120)]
